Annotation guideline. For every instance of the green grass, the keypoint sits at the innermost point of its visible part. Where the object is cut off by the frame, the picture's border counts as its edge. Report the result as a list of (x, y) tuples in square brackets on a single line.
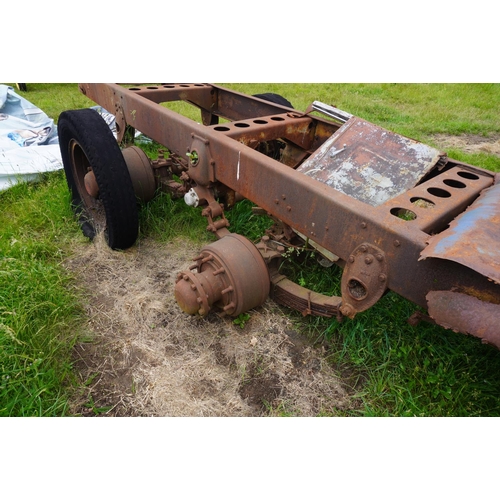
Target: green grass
[(39, 311), (400, 369)]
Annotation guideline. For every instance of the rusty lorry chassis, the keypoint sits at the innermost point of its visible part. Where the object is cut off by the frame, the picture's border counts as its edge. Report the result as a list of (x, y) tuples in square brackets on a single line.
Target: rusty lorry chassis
[(393, 213)]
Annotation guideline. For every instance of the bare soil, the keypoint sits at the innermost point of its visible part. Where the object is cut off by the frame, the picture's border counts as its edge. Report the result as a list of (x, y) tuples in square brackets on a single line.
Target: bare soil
[(470, 143), (145, 357)]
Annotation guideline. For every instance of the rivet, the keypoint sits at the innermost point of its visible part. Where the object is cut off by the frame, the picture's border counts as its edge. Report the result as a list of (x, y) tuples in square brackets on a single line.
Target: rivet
[(351, 259), (363, 248), (379, 257), (368, 259), (382, 277), (363, 225), (396, 243)]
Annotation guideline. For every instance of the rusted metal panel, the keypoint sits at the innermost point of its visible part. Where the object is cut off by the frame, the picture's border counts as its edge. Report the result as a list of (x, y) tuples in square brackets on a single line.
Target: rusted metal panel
[(370, 163), (473, 238), (466, 314)]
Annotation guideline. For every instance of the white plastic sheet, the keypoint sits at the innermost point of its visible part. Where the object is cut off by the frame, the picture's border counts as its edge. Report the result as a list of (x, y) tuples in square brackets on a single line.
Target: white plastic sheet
[(29, 144), (28, 140)]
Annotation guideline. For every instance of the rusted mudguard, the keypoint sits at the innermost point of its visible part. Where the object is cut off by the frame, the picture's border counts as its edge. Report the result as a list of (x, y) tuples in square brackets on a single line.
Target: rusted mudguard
[(473, 240)]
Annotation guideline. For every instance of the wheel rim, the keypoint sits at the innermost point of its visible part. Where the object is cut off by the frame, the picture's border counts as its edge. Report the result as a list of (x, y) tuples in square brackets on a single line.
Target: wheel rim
[(81, 168)]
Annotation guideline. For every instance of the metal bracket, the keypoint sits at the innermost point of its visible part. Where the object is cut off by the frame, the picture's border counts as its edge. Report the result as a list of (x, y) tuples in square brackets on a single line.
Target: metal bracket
[(364, 279)]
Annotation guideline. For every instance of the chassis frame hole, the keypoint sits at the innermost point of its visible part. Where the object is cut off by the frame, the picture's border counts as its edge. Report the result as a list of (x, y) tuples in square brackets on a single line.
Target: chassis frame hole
[(403, 213), (357, 290), (438, 192)]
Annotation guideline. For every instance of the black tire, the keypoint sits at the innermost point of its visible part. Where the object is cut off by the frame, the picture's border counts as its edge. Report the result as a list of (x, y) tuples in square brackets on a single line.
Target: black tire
[(87, 144), (275, 98)]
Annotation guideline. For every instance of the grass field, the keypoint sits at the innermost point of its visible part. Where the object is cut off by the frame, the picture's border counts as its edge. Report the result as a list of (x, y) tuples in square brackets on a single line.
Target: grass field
[(400, 370)]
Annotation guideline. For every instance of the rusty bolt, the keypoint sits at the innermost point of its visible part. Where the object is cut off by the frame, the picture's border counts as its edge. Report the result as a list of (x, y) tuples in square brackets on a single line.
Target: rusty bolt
[(347, 310), (382, 277), (289, 208), (351, 258), (276, 201), (283, 197), (379, 257), (397, 243), (363, 248), (368, 259), (363, 225)]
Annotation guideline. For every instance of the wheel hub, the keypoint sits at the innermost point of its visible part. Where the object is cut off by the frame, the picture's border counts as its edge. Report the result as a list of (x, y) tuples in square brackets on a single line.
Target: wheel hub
[(91, 184), (230, 275)]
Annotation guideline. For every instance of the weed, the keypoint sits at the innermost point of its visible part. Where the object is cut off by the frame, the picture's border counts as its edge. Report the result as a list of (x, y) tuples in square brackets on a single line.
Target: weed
[(97, 410), (241, 320)]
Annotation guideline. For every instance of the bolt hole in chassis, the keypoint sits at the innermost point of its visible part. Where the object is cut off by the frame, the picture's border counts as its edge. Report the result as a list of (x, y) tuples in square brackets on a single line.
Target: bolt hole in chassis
[(393, 213)]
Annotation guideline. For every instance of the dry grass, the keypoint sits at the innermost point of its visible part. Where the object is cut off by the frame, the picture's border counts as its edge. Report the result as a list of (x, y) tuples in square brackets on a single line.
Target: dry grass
[(149, 358)]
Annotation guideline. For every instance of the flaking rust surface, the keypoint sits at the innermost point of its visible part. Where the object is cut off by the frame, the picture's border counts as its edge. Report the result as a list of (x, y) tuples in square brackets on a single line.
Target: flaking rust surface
[(369, 163), (473, 238)]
